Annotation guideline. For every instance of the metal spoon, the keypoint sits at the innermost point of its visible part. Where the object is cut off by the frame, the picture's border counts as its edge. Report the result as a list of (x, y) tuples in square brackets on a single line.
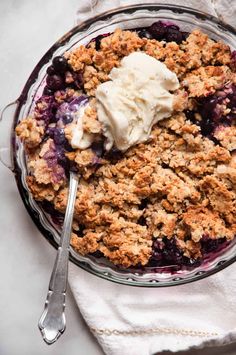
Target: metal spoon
[(52, 322)]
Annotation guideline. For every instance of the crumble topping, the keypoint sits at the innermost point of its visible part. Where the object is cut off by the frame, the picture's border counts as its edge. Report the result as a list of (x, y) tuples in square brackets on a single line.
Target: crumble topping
[(179, 185), (226, 136), (30, 132), (206, 80)]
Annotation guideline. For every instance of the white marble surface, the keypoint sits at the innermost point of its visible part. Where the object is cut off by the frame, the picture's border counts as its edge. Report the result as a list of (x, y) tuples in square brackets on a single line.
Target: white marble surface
[(27, 29)]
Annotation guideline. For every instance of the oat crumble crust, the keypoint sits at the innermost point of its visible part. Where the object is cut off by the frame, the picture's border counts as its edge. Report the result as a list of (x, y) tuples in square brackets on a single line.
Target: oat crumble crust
[(187, 180)]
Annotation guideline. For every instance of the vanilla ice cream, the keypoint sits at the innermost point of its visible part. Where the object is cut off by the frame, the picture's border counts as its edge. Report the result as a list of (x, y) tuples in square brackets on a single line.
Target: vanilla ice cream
[(136, 97), (80, 139)]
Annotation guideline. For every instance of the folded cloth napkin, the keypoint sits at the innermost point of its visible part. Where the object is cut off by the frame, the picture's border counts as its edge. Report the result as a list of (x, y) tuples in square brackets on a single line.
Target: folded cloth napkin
[(224, 9), (130, 320), (141, 321)]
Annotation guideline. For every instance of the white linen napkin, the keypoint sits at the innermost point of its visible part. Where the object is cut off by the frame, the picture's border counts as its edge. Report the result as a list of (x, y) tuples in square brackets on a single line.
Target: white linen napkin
[(224, 9), (130, 320), (141, 321)]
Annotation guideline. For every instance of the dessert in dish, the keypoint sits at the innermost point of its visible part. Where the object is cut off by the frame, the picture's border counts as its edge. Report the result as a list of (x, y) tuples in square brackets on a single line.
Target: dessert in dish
[(147, 118)]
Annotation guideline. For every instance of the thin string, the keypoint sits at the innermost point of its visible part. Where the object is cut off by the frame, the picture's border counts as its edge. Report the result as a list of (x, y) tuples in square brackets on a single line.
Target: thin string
[(153, 331)]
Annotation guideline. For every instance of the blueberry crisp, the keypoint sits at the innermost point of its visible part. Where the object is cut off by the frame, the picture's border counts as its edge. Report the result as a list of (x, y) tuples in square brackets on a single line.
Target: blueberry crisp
[(147, 118)]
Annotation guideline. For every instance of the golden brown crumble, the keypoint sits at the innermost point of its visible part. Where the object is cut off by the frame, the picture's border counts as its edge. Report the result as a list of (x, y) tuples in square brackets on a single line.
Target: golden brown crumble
[(90, 121), (80, 57), (197, 52), (61, 96), (180, 183), (30, 132), (203, 221), (203, 50), (206, 80), (43, 172), (40, 192), (122, 43), (226, 136)]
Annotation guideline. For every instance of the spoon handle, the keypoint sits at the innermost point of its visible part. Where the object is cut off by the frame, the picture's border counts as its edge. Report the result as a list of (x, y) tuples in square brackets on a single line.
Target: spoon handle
[(52, 322)]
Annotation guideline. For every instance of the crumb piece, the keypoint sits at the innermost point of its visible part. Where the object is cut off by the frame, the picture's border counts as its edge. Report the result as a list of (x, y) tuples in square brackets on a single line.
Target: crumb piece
[(159, 221), (124, 243), (90, 121), (226, 136), (155, 49), (201, 49), (206, 80), (180, 102), (84, 157), (45, 168), (93, 78), (202, 221), (80, 57), (40, 192), (105, 60), (30, 132), (175, 59), (121, 43), (190, 248), (221, 199)]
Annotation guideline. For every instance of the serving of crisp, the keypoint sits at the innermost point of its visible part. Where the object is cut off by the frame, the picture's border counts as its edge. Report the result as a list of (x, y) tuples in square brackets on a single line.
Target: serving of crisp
[(155, 149)]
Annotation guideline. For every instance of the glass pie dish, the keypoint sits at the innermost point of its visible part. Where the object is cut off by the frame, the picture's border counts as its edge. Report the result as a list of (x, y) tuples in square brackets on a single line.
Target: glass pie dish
[(131, 17)]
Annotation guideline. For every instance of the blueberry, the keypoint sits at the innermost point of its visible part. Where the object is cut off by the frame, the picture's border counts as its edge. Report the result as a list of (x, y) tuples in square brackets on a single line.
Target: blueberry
[(145, 34), (63, 161), (55, 82), (190, 115), (184, 35), (173, 35), (209, 245), (46, 117), (51, 70), (114, 154), (67, 118), (158, 30), (50, 131), (207, 126), (67, 146), (142, 221), (47, 91), (207, 109), (191, 262), (56, 216), (98, 42), (157, 256), (172, 26), (73, 167), (98, 148), (166, 252), (60, 64), (59, 136), (233, 55), (61, 158), (143, 204), (165, 166), (228, 119), (82, 227), (78, 79), (158, 244), (45, 109), (98, 254)]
